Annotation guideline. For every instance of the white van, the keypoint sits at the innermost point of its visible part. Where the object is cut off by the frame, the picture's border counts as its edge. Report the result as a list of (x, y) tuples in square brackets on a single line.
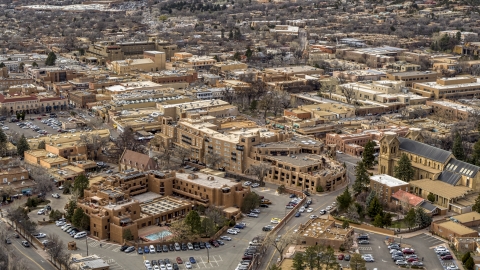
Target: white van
[(80, 235)]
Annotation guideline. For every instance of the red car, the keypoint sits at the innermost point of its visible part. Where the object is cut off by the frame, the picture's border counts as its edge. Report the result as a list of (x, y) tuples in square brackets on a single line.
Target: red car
[(248, 257), (408, 251), (340, 257), (179, 260), (447, 257), (214, 243), (412, 260)]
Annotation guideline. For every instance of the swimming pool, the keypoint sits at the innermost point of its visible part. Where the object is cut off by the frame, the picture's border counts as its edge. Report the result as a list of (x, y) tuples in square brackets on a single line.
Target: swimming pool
[(159, 235)]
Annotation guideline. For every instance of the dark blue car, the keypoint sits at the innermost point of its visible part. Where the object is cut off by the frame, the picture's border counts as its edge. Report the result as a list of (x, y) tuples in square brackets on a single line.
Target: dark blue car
[(192, 260), (146, 249), (297, 214)]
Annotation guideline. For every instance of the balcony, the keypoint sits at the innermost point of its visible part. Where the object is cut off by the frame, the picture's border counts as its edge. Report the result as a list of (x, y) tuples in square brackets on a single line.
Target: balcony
[(191, 196)]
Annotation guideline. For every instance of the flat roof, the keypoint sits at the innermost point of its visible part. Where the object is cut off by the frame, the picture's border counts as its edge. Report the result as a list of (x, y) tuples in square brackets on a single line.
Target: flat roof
[(388, 180), (470, 216), (457, 228), (441, 188), (202, 179)]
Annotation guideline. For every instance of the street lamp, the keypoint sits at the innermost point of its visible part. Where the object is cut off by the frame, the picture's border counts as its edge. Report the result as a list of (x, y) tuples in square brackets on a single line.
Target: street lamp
[(401, 240)]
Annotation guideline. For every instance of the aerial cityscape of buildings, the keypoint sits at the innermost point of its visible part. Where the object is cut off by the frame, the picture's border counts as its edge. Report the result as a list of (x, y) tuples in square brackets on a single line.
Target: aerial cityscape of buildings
[(303, 128)]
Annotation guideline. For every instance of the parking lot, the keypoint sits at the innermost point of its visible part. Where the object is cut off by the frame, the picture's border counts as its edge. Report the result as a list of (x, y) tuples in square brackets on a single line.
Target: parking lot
[(224, 257), (423, 245)]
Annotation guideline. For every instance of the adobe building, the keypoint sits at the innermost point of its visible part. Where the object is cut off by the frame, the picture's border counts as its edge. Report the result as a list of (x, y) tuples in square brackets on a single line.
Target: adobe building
[(449, 88), (135, 200), (326, 233), (412, 77), (152, 61)]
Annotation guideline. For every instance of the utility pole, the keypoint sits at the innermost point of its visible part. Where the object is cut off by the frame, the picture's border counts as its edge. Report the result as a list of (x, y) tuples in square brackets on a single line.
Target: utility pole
[(86, 243)]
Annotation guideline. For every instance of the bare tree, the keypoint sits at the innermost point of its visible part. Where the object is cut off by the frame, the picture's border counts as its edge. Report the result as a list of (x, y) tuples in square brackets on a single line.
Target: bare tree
[(349, 93), (260, 171), (213, 159), (281, 244), (216, 215), (126, 141), (44, 183), (94, 142), (182, 153), (55, 248), (165, 157), (228, 94)]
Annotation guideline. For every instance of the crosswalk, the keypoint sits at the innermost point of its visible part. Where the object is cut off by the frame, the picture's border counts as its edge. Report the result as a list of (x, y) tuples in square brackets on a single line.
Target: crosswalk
[(365, 248)]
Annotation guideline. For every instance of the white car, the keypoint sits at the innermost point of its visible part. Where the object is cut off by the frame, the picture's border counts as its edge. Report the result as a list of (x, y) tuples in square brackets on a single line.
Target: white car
[(41, 212), (40, 235), (60, 223), (329, 208), (5, 128), (339, 152), (255, 185), (253, 215), (309, 210), (169, 266), (227, 238), (229, 231), (301, 210), (248, 183), (188, 265), (313, 216), (152, 249), (56, 195), (147, 263), (190, 246)]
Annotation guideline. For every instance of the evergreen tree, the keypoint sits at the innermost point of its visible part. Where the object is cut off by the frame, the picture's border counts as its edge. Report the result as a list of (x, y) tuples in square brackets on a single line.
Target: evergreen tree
[(362, 178), (370, 197), (51, 58), (470, 264), (2, 65), (80, 219), (72, 205), (466, 256), (230, 34), (41, 145), (387, 219), (80, 184), (476, 206), (431, 197), (368, 154), (192, 220), (457, 149), (248, 52), (476, 153), (3, 143), (22, 146), (344, 200), (34, 64), (298, 261), (374, 208), (378, 221), (404, 170), (421, 218), (410, 218)]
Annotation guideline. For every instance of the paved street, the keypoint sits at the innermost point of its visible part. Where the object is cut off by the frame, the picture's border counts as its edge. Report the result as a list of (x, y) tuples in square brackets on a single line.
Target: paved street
[(29, 255)]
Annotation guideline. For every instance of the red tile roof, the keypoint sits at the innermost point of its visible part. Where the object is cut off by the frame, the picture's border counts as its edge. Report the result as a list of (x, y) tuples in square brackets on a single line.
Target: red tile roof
[(407, 197)]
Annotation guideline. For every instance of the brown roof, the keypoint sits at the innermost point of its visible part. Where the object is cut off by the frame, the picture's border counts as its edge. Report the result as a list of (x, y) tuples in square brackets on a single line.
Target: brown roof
[(13, 99), (137, 157), (407, 197)]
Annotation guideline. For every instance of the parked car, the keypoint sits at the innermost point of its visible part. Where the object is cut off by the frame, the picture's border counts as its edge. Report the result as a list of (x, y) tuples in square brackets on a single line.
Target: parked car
[(253, 215), (41, 212), (80, 235), (25, 243), (255, 185), (323, 212), (227, 238), (400, 262), (313, 216), (230, 231), (40, 235), (248, 183), (408, 251), (190, 246), (340, 257), (417, 263), (130, 249), (347, 257), (363, 242), (297, 214), (447, 257), (192, 260)]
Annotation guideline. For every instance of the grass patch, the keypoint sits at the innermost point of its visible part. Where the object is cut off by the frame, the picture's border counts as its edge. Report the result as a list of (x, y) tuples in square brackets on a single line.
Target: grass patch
[(399, 224)]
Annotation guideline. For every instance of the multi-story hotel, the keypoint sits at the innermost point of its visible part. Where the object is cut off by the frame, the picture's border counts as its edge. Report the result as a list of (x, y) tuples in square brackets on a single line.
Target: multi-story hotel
[(135, 200)]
